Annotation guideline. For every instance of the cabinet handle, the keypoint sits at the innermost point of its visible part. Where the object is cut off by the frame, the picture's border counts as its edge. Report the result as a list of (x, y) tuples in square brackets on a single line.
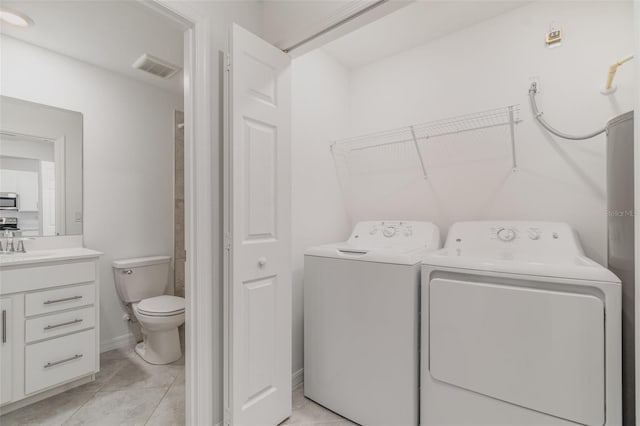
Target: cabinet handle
[(4, 326), (62, 324), (66, 299), (62, 361)]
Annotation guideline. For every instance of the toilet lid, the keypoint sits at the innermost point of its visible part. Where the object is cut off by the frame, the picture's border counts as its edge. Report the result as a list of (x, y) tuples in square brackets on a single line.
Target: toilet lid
[(161, 305)]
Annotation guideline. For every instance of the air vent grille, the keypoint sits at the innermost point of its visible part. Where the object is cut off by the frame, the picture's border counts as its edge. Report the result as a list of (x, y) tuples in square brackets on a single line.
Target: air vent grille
[(155, 66)]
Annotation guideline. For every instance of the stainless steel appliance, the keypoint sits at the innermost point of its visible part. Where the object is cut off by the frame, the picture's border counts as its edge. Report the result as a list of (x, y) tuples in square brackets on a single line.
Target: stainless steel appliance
[(9, 201), (10, 224), (620, 230)]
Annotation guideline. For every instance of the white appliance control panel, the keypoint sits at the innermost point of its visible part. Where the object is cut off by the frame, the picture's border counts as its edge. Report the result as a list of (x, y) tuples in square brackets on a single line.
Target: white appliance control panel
[(514, 236), (508, 234), (395, 234), (511, 233)]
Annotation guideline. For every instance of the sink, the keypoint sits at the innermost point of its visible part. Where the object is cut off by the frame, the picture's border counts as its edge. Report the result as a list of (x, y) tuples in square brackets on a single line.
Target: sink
[(51, 255)]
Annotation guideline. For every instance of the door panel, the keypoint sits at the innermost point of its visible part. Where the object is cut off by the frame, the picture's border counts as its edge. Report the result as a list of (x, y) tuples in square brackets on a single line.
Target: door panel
[(257, 225), (540, 349), (261, 203)]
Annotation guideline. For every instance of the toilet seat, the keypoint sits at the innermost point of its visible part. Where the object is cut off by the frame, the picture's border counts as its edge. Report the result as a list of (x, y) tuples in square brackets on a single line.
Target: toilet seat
[(161, 306)]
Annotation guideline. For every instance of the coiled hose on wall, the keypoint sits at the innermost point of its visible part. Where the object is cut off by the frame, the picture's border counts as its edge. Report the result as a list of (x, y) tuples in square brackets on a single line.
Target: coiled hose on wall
[(533, 90)]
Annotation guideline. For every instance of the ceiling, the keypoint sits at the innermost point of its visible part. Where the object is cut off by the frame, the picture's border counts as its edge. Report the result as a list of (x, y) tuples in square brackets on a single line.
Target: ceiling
[(412, 26), (109, 34)]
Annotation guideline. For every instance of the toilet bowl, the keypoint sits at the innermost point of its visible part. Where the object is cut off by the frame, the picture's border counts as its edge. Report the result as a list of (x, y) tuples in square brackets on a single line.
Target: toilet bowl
[(141, 282), (159, 318)]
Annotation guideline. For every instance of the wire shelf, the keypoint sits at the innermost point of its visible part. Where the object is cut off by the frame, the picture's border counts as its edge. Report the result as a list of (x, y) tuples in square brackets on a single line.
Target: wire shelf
[(414, 135)]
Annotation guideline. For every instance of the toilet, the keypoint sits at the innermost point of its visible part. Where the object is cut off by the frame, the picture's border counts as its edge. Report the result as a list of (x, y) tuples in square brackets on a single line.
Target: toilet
[(141, 282)]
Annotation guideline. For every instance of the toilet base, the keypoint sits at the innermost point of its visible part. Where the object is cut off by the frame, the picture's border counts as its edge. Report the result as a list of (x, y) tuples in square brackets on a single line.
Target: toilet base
[(160, 347)]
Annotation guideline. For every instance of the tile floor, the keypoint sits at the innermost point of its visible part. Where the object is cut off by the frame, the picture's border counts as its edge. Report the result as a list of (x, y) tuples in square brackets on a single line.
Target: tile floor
[(306, 413), (129, 391)]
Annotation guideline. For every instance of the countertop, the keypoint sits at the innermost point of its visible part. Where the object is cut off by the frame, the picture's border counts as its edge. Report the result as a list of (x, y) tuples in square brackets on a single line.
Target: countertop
[(44, 256)]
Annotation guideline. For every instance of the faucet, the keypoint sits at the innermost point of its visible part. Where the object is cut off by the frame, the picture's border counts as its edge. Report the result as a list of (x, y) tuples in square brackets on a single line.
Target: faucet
[(10, 244), (9, 247)]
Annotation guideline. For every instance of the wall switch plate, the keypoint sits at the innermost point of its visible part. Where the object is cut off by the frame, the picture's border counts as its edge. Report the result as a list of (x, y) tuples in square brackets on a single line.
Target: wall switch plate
[(553, 37)]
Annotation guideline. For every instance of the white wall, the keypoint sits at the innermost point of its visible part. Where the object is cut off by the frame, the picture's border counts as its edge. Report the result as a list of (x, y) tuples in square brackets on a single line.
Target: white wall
[(128, 157), (488, 66), (320, 102)]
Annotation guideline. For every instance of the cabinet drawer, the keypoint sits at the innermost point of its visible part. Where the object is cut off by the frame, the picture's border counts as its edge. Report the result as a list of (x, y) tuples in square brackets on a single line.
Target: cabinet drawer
[(37, 277), (61, 323), (58, 299), (59, 360)]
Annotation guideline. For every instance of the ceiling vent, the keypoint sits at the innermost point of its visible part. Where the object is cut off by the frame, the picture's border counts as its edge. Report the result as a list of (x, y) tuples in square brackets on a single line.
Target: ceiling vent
[(155, 66)]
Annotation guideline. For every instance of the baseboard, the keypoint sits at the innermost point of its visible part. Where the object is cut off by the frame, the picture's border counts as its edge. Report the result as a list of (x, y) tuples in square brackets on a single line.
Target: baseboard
[(126, 340), (297, 378)]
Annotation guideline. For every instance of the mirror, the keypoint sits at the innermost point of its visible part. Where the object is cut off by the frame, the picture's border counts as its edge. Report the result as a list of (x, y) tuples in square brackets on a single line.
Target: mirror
[(40, 169)]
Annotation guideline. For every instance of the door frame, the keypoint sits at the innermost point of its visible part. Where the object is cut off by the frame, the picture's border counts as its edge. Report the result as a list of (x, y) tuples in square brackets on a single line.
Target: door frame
[(201, 234)]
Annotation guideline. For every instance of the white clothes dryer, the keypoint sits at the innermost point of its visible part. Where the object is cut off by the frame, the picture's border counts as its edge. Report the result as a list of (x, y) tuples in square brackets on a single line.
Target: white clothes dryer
[(361, 322), (519, 328)]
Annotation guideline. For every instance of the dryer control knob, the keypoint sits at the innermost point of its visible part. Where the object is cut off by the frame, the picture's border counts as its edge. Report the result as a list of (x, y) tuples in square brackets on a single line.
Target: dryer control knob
[(389, 231), (506, 234)]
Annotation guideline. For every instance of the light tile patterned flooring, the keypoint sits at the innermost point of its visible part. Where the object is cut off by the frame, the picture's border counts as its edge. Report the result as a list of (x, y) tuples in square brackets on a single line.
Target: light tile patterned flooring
[(306, 412), (129, 391)]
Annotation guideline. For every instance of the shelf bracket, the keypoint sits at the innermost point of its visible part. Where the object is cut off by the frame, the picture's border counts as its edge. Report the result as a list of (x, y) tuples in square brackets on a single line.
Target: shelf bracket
[(415, 143)]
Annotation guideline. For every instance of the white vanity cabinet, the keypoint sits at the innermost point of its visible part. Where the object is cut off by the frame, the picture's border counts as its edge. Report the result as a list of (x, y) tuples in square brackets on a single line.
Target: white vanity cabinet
[(50, 324), (6, 351)]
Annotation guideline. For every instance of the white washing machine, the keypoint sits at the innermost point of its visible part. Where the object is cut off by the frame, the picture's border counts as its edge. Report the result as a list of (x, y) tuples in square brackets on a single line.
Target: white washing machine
[(361, 322), (519, 328)]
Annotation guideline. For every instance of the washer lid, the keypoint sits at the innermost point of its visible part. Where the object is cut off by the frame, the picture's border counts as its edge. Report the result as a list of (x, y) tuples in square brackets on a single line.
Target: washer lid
[(165, 305), (388, 241), (379, 255)]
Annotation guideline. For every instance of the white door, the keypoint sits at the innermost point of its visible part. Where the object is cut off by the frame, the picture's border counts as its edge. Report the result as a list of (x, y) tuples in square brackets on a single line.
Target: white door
[(6, 349), (48, 196), (257, 226)]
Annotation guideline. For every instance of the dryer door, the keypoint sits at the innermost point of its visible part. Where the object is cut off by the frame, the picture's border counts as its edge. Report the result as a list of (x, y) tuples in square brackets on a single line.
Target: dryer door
[(540, 349)]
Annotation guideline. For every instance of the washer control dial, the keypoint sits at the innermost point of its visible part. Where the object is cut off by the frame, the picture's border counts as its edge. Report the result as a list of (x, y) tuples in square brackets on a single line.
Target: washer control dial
[(389, 231), (506, 234)]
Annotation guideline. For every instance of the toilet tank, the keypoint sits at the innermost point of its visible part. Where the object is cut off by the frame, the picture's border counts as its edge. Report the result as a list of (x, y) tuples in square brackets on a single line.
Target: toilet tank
[(141, 278)]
